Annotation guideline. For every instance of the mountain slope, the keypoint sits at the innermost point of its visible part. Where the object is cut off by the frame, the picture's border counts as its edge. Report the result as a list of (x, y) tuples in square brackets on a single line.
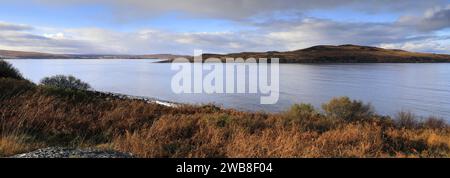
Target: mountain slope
[(6, 54), (316, 54), (340, 54)]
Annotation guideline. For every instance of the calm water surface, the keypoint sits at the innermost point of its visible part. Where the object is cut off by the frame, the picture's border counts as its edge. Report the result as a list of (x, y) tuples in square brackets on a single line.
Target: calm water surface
[(421, 88)]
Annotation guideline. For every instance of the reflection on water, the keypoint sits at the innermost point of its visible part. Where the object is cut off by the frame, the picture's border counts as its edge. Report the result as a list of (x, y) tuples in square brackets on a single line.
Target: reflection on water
[(421, 88)]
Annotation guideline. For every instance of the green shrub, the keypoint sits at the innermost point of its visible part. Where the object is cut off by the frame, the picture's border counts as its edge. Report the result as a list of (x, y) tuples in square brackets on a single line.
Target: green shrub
[(10, 87), (306, 116), (301, 112), (8, 71), (67, 93), (347, 110), (223, 121), (65, 82)]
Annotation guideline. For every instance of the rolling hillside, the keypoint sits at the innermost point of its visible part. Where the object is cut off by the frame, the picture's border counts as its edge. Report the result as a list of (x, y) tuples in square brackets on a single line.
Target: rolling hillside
[(315, 54), (341, 54), (6, 54)]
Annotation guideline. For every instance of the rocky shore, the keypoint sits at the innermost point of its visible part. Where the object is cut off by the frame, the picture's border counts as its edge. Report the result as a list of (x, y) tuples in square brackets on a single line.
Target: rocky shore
[(61, 152), (64, 152), (141, 98)]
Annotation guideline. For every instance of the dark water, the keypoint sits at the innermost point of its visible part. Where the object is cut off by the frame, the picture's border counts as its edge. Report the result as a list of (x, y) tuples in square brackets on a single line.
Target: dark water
[(421, 88)]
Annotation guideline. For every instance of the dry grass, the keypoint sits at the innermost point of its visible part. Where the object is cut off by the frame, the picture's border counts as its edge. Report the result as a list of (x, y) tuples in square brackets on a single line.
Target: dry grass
[(36, 116), (12, 144)]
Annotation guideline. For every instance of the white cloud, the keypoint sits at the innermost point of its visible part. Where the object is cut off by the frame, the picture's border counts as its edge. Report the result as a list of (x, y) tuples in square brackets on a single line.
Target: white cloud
[(127, 10), (434, 45), (13, 27), (54, 35), (272, 34), (433, 19)]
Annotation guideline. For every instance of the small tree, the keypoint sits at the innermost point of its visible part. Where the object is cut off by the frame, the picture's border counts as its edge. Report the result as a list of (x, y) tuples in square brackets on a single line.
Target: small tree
[(301, 111), (66, 82), (406, 119), (8, 71), (348, 110)]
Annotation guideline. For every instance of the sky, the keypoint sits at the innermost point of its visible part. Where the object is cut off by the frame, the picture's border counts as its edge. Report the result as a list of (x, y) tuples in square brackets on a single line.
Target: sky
[(219, 26)]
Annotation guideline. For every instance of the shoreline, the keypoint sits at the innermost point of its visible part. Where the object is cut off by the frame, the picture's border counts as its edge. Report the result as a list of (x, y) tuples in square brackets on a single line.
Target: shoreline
[(176, 104), (140, 98), (169, 61)]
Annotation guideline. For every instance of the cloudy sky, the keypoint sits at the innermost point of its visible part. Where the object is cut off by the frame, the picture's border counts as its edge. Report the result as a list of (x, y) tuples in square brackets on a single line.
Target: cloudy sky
[(219, 26)]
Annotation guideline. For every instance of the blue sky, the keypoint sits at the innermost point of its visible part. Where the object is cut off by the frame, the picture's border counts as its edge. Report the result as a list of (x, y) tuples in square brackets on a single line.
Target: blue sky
[(179, 27)]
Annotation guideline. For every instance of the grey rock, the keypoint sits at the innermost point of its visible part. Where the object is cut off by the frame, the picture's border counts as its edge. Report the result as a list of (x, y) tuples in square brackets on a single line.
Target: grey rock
[(61, 152)]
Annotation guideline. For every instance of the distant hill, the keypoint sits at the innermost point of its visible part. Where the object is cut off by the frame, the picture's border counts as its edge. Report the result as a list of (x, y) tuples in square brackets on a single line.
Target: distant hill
[(5, 54), (340, 54), (315, 54), (164, 56)]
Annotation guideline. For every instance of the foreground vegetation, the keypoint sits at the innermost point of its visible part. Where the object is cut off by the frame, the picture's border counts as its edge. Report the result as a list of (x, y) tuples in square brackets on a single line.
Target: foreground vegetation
[(35, 116)]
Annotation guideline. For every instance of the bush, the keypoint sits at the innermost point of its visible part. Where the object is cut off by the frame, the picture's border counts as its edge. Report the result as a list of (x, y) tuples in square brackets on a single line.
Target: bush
[(11, 87), (8, 71), (65, 82), (306, 116), (348, 110), (301, 111), (434, 123), (407, 120)]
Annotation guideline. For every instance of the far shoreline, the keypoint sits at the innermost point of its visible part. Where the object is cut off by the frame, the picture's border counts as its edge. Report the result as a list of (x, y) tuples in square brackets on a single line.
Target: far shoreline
[(166, 61), (347, 53)]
